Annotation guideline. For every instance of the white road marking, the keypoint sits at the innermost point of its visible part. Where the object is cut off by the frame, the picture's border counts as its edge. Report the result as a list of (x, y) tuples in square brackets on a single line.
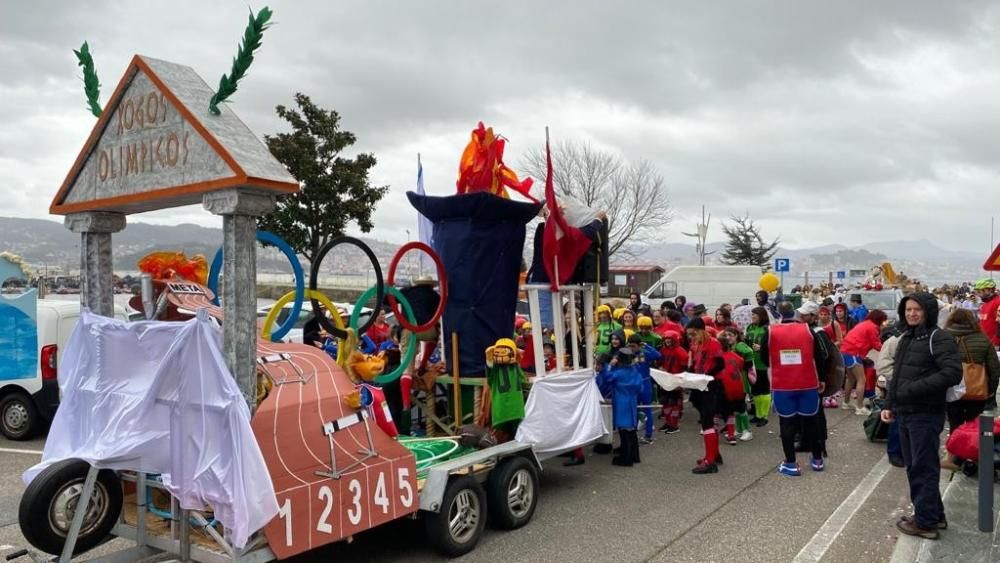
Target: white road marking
[(835, 524), (16, 451)]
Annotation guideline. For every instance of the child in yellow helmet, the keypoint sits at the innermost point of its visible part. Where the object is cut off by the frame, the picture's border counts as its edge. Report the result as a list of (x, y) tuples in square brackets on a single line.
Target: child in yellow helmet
[(605, 327)]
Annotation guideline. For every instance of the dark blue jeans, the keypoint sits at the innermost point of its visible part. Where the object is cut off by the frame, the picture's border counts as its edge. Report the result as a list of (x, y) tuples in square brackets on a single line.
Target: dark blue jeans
[(920, 438), (893, 448)]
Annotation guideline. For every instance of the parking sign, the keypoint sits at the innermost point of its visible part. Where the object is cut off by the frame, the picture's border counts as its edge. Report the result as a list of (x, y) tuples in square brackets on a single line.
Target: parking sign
[(841, 275), (782, 265)]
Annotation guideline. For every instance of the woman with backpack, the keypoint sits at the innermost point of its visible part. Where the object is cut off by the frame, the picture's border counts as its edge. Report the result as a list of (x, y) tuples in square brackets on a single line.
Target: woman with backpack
[(975, 349)]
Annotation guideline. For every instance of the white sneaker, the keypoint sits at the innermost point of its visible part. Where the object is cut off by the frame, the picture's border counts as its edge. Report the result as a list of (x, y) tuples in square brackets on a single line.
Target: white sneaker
[(846, 404), (863, 411), (746, 436)]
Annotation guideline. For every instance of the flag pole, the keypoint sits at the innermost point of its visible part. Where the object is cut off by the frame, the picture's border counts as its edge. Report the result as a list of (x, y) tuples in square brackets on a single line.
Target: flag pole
[(548, 172), (420, 173)]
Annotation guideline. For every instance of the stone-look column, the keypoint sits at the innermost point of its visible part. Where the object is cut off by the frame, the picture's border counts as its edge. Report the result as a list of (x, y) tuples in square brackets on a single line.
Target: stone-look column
[(239, 210), (96, 266)]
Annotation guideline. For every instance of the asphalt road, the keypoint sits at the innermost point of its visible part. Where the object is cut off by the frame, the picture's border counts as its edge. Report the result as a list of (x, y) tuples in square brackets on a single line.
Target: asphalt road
[(657, 511)]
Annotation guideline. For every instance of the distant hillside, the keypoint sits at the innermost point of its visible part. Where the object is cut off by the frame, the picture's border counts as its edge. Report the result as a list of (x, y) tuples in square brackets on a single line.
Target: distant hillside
[(42, 242)]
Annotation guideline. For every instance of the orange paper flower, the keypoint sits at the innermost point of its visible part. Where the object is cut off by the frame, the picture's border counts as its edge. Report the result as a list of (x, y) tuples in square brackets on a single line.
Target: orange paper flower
[(169, 265), (482, 169)]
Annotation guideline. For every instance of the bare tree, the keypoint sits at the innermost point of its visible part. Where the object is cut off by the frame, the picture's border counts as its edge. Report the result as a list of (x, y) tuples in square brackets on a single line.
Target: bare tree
[(632, 194)]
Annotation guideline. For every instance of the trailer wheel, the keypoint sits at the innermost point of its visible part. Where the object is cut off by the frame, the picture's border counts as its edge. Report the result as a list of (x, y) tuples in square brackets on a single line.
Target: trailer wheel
[(19, 419), (456, 529), (512, 492), (51, 500)]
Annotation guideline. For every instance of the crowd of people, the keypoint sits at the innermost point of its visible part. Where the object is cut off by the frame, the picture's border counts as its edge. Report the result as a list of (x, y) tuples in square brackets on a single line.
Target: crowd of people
[(831, 351)]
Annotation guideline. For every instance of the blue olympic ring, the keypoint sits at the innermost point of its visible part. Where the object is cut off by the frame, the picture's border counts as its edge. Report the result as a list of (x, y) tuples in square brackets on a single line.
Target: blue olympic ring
[(268, 237)]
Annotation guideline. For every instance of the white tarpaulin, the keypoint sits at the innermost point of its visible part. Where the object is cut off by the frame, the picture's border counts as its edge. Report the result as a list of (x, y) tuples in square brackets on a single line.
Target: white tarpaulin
[(157, 397), (563, 412), (686, 380)]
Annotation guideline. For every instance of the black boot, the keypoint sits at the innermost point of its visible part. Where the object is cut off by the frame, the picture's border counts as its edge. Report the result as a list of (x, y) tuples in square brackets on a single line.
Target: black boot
[(624, 458), (635, 445)]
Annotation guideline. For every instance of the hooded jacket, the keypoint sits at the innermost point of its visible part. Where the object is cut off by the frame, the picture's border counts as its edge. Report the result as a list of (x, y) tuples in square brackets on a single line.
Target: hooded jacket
[(863, 338), (927, 362), (980, 351)]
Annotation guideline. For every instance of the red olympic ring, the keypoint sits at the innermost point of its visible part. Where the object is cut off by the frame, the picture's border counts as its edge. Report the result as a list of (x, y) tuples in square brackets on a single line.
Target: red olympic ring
[(442, 281)]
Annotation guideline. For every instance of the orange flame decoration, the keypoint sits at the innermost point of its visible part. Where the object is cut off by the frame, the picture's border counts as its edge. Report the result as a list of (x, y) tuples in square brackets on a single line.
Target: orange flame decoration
[(168, 265), (482, 169)]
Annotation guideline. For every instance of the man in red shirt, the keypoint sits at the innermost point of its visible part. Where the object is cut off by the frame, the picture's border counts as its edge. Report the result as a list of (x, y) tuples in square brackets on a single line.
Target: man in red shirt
[(987, 290)]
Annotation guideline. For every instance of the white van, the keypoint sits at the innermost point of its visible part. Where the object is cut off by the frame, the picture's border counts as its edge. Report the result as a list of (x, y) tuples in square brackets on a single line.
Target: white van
[(27, 404), (706, 285)]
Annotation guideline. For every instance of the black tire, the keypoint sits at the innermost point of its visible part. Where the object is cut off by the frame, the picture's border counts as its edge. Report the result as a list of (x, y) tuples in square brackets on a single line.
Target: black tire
[(47, 507), (19, 418), (462, 540), (509, 508)]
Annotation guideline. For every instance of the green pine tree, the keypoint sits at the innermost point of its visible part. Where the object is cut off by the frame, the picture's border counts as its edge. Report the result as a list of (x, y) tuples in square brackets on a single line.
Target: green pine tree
[(746, 245), (336, 190)]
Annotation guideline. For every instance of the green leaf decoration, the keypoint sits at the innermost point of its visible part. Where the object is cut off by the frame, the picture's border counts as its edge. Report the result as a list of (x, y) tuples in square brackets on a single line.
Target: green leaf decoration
[(91, 85), (244, 57)]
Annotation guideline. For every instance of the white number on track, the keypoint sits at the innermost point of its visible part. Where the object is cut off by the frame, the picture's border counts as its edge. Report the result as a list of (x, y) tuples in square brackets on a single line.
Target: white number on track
[(381, 499), (354, 514), (404, 485), (285, 513), (323, 526)]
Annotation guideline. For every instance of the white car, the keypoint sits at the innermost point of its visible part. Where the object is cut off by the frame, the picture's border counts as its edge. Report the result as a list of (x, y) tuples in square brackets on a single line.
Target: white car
[(27, 404)]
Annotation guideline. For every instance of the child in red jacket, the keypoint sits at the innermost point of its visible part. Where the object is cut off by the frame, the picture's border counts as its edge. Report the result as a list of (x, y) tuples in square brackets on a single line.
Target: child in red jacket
[(675, 360)]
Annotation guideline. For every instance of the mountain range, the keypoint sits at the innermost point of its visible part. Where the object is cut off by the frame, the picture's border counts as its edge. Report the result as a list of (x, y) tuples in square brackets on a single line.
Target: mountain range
[(919, 250), (47, 243)]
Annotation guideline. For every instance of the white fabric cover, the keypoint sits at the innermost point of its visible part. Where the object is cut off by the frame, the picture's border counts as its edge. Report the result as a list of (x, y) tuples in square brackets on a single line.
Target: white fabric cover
[(563, 412), (157, 397), (686, 380)]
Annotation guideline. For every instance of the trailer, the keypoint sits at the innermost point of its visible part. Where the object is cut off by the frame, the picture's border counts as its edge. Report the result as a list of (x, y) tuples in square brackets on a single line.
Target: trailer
[(335, 470)]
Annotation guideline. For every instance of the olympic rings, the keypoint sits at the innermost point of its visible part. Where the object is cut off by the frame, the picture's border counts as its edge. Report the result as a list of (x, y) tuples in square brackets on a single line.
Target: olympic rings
[(268, 237), (379, 283), (272, 315), (442, 281), (411, 350)]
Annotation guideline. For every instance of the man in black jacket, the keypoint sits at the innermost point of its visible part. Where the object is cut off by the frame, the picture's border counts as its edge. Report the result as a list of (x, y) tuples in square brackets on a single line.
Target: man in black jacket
[(927, 363)]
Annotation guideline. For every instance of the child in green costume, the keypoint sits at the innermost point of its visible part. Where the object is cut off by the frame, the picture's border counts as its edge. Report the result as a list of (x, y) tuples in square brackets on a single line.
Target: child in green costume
[(732, 334), (761, 389), (605, 328)]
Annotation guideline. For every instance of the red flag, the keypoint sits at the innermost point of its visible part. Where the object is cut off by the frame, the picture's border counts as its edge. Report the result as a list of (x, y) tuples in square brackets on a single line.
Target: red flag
[(563, 244)]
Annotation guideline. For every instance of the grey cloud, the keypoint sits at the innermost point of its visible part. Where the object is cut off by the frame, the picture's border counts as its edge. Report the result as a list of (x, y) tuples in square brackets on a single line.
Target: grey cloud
[(771, 107)]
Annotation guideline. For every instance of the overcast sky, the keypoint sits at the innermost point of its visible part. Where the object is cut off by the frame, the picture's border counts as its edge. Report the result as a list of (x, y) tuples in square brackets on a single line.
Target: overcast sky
[(828, 122)]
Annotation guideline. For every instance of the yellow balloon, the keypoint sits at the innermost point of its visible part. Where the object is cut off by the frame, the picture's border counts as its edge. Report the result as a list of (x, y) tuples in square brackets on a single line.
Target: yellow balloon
[(769, 282)]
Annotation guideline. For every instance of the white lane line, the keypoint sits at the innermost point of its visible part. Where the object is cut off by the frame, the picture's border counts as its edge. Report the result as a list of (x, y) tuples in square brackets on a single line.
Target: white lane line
[(16, 451), (835, 524)]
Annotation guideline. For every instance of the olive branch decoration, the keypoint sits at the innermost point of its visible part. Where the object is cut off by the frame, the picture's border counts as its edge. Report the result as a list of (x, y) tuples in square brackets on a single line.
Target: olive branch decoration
[(91, 85), (244, 57)]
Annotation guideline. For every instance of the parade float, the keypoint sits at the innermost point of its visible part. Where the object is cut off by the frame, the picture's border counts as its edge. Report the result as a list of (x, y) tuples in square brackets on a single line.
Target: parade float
[(197, 432)]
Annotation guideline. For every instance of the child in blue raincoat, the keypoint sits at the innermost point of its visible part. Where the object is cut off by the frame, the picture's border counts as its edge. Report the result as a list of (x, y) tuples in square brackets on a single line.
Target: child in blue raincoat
[(645, 355), (623, 383)]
